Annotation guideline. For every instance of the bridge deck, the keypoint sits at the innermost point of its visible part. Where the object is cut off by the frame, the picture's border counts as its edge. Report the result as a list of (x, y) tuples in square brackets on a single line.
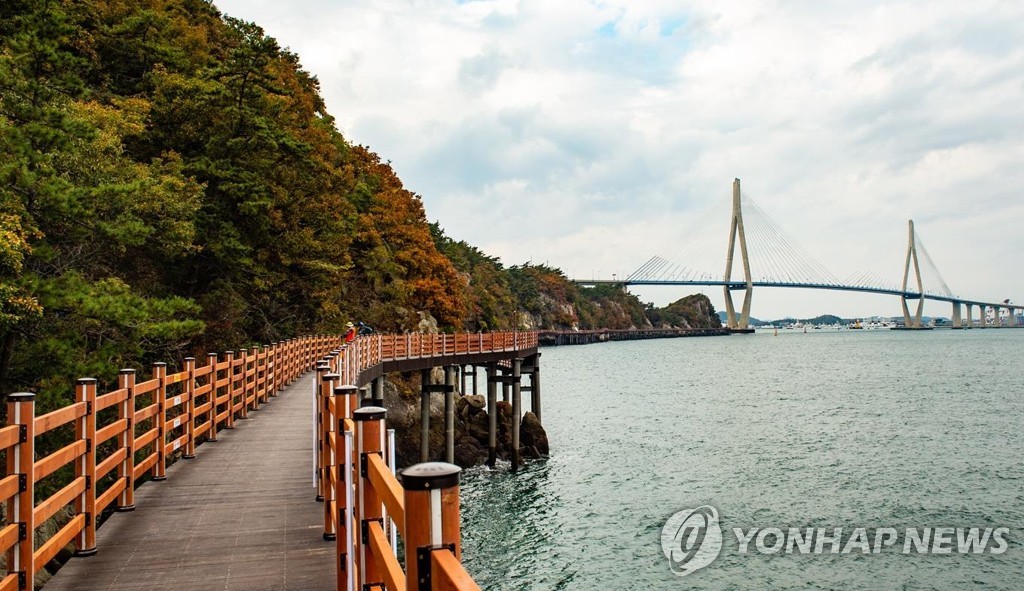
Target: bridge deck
[(241, 516)]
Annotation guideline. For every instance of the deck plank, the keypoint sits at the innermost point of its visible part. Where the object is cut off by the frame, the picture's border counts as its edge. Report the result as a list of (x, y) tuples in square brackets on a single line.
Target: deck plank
[(242, 515)]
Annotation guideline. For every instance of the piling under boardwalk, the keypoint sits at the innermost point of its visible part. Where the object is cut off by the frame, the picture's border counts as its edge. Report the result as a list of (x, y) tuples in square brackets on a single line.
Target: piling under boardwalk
[(240, 516)]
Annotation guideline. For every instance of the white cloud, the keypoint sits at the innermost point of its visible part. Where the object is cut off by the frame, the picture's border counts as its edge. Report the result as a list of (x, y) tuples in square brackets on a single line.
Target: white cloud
[(587, 133)]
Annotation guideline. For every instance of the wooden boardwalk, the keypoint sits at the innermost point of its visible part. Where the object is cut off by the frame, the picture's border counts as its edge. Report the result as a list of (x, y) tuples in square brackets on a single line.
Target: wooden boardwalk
[(240, 516)]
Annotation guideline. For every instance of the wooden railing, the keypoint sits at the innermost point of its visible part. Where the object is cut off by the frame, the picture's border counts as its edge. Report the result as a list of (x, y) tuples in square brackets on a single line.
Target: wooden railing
[(368, 351), (365, 506), (124, 435), (138, 428)]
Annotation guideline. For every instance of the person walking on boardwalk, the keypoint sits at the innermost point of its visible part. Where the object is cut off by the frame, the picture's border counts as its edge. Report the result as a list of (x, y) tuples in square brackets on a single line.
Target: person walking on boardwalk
[(351, 334)]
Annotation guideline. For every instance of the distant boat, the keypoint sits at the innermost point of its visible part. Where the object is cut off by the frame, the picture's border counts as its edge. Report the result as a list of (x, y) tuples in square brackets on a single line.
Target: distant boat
[(855, 325)]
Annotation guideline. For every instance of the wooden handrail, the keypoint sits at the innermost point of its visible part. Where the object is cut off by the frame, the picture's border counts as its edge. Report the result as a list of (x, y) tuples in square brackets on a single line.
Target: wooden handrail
[(169, 414), (180, 407), (388, 488), (448, 574)]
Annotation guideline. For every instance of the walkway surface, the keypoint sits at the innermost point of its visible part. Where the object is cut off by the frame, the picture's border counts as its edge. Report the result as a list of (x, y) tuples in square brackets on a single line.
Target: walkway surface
[(240, 516)]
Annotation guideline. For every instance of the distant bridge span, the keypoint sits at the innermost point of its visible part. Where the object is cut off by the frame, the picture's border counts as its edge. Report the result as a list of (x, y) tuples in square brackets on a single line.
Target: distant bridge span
[(792, 261), (735, 285)]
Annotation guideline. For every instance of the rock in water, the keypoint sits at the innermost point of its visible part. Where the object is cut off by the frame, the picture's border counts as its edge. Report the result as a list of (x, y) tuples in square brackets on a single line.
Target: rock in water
[(478, 427), (532, 433), (468, 452)]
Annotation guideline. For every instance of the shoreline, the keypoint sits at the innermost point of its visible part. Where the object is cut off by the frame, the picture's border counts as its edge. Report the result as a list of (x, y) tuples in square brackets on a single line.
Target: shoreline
[(553, 338)]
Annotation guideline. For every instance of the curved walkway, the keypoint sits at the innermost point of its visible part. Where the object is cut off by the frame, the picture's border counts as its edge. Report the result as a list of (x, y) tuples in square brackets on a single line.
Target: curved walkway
[(240, 516)]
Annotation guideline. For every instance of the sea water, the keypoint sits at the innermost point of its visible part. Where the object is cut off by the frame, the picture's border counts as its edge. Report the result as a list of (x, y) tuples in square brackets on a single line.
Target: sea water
[(828, 429)]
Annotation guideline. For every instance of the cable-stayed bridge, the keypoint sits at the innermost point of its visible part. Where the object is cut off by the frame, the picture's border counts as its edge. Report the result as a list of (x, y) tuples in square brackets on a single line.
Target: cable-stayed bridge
[(780, 261)]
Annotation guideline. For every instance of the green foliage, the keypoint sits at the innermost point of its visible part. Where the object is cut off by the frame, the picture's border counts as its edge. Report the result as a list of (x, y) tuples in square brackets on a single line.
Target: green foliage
[(170, 183), (693, 311)]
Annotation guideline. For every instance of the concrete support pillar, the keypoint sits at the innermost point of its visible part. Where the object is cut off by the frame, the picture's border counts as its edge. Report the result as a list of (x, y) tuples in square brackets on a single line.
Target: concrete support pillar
[(535, 388), (982, 318), (736, 231), (425, 415), (449, 413), (956, 315), (517, 411), (915, 321), (505, 386), (493, 413), (970, 314), (378, 392)]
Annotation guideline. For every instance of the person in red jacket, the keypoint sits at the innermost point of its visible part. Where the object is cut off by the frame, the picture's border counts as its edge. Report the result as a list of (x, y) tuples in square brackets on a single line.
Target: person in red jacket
[(351, 334)]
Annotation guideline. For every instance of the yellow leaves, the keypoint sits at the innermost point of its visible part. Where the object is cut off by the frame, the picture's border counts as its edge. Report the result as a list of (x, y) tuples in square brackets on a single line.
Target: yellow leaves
[(13, 244)]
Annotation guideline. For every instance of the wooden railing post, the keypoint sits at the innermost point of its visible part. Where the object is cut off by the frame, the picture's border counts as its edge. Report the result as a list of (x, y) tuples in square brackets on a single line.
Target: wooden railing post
[(369, 424), (160, 373), (190, 409), (20, 461), (344, 405), (211, 359), (229, 422), (322, 369), (256, 390), (431, 518), (243, 355), (273, 383), (294, 346), (328, 455), (85, 504), (126, 412), (265, 389)]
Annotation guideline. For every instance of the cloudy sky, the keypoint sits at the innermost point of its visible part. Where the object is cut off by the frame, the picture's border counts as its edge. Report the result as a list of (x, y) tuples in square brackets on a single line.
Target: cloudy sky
[(592, 135)]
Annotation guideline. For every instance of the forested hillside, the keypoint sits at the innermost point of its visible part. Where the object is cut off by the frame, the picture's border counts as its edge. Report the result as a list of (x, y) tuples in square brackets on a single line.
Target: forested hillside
[(170, 184)]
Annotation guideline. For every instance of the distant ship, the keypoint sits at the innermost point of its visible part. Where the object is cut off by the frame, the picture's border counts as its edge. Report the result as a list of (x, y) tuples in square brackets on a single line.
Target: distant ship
[(855, 325)]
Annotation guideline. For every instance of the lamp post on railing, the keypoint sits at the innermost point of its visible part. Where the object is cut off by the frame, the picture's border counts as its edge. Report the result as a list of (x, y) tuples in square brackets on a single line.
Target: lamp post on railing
[(431, 518)]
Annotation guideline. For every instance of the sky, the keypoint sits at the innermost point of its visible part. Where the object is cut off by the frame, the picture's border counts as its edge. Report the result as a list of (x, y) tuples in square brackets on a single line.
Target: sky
[(592, 135)]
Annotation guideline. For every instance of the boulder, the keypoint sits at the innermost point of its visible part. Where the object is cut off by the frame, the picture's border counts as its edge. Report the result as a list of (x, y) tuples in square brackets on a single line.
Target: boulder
[(468, 452), (477, 427), (532, 434)]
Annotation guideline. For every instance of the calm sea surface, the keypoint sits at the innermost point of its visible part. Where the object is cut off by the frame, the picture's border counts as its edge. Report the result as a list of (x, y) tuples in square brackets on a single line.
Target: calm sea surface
[(826, 429)]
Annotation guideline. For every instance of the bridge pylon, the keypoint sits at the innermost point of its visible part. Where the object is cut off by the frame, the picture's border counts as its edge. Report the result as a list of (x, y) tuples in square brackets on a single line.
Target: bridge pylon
[(915, 321), (736, 230)]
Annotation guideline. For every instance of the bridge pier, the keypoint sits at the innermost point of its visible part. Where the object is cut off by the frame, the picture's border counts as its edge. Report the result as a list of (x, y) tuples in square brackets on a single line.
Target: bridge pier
[(535, 387), (492, 414), (378, 392), (982, 316), (970, 314), (957, 323), (517, 411), (424, 415), (449, 414)]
